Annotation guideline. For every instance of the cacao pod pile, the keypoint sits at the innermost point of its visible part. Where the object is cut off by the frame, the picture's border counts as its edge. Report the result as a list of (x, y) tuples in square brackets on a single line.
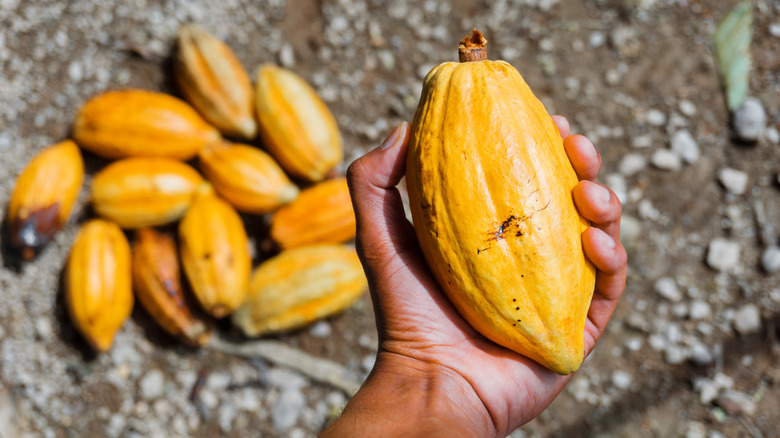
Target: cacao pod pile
[(150, 134)]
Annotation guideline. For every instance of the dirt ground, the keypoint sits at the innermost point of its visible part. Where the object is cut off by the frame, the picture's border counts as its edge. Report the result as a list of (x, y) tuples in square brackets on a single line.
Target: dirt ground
[(692, 350)]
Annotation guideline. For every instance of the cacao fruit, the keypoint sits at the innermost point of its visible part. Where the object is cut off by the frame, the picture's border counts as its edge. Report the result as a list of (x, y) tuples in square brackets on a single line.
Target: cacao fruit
[(296, 126), (246, 177), (300, 286), (215, 253), (144, 191), (321, 214), (44, 196), (158, 287), (213, 80), (140, 123), (98, 292), (490, 192)]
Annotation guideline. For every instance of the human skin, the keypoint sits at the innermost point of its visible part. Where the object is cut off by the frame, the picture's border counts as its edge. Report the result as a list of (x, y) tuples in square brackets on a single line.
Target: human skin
[(435, 375)]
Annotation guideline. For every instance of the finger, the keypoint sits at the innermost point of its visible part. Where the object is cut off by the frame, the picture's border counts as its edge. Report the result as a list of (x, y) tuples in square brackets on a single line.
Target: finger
[(610, 259), (563, 125), (598, 204), (584, 157), (382, 228)]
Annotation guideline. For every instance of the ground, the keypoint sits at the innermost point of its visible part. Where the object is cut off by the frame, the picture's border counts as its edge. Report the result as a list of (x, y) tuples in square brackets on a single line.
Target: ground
[(692, 349)]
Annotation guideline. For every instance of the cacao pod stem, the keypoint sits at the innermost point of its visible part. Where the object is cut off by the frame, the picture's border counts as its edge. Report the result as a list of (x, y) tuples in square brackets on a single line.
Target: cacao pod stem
[(473, 47)]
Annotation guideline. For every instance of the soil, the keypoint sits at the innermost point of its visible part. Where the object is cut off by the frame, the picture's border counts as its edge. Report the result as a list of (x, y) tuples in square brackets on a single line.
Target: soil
[(627, 74)]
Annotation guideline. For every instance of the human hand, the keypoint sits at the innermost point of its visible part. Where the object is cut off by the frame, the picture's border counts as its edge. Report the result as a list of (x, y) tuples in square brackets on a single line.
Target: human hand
[(449, 372)]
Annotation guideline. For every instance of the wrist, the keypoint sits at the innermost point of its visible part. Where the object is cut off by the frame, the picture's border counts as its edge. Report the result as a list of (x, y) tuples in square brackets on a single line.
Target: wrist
[(407, 397)]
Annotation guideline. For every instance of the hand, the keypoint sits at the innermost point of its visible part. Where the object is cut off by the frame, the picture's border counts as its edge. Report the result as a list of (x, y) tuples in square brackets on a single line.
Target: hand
[(449, 373)]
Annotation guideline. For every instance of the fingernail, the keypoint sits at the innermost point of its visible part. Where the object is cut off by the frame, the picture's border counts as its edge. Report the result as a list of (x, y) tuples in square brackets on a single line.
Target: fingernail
[(395, 136), (604, 239), (587, 148)]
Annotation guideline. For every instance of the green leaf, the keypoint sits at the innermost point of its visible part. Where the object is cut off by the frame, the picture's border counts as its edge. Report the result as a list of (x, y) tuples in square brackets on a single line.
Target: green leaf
[(732, 50)]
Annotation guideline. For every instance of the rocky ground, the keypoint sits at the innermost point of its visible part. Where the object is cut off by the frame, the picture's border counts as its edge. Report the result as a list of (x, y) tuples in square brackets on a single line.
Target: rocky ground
[(692, 350)]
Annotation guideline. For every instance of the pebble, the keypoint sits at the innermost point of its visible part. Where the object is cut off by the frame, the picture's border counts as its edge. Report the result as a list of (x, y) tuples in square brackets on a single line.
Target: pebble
[(723, 254), (685, 146), (696, 430), (320, 329), (596, 39), (630, 231), (687, 108), (285, 379), (646, 210), (287, 56), (655, 117), (675, 355), (631, 164), (735, 181), (642, 141), (43, 329), (666, 159), (617, 183), (700, 310), (770, 259), (749, 120), (152, 385), (737, 403), (700, 354), (225, 415), (287, 409), (774, 29), (621, 379), (747, 320), (667, 288)]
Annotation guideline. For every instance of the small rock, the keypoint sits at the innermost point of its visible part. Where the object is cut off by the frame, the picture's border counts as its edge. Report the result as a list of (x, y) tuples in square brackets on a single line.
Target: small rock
[(226, 413), (700, 310), (747, 320), (285, 379), (287, 56), (596, 39), (624, 39), (737, 403), (43, 329), (630, 231), (667, 288), (770, 259), (723, 254), (617, 183), (772, 135), (632, 164), (687, 108), (774, 29), (368, 362), (700, 354), (666, 159), (287, 409), (152, 385), (208, 398), (675, 355), (657, 342), (642, 141), (749, 120), (621, 379), (685, 146), (320, 329), (696, 430), (646, 210), (735, 181), (655, 117)]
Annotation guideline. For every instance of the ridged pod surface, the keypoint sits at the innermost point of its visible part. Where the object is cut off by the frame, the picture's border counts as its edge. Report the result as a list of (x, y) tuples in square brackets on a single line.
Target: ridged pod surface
[(140, 123), (158, 287), (296, 126), (300, 286), (44, 196), (215, 253), (143, 192), (321, 214), (98, 291), (247, 177), (490, 192), (213, 80)]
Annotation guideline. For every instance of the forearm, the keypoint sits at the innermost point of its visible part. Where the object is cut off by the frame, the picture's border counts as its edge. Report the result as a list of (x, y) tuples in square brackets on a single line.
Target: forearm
[(405, 397)]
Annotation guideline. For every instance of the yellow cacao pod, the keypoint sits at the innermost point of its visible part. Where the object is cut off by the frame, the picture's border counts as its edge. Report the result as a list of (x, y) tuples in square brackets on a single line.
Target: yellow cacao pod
[(139, 123), (98, 292), (215, 253), (43, 197), (296, 126), (321, 214), (247, 177), (144, 191), (490, 192), (214, 82), (158, 287), (300, 286)]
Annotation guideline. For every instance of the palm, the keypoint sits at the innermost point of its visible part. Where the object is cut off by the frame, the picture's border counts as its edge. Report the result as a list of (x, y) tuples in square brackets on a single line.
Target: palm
[(415, 319)]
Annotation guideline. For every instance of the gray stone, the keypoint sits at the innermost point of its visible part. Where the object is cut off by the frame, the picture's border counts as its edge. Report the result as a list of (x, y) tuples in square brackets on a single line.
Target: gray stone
[(696, 430), (285, 379), (152, 385), (642, 141), (700, 354), (735, 181), (630, 231), (723, 254), (666, 159), (287, 56), (320, 329), (621, 379), (226, 413), (667, 288), (287, 409), (770, 259), (699, 310), (687, 108), (675, 355), (43, 329), (655, 117), (596, 39), (749, 120), (747, 320), (737, 403), (685, 146), (631, 164)]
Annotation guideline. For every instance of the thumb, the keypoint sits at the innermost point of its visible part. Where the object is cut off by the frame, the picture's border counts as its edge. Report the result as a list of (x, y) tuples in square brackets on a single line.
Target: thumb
[(383, 232)]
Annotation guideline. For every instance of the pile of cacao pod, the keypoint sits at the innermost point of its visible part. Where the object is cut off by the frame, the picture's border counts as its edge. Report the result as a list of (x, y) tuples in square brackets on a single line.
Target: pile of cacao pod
[(151, 136)]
